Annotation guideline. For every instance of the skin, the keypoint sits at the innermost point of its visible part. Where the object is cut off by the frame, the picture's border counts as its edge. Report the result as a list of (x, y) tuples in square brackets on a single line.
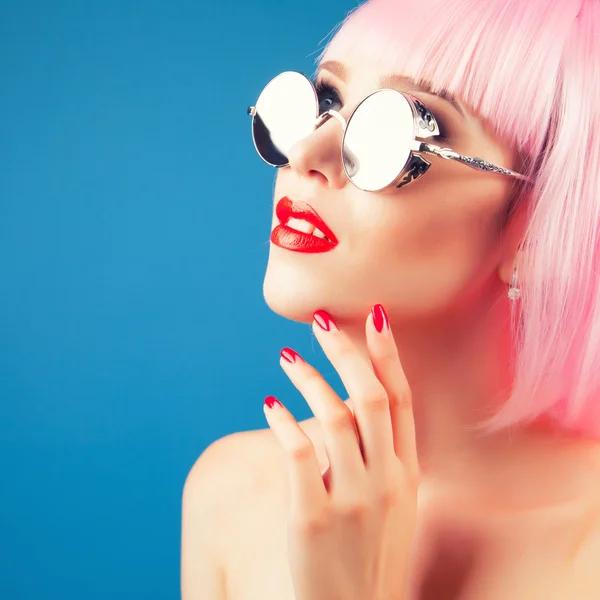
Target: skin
[(438, 255)]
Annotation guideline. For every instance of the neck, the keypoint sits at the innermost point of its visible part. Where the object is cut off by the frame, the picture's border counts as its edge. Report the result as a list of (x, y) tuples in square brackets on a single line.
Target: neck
[(459, 372)]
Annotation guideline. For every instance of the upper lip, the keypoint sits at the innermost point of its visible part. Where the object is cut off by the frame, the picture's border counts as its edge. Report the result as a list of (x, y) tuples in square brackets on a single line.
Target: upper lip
[(287, 209)]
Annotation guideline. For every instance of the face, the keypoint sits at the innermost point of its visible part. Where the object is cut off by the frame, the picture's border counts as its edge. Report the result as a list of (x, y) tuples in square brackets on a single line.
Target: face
[(422, 250)]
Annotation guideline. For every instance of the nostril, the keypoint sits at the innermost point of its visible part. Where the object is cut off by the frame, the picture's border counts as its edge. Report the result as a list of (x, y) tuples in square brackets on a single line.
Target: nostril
[(318, 175)]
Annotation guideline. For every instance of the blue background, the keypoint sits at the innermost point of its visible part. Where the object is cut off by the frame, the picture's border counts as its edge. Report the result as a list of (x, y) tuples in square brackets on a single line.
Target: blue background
[(131, 336)]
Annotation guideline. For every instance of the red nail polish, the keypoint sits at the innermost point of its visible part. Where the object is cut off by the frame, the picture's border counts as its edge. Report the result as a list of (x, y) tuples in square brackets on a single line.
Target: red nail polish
[(324, 321), (271, 401), (380, 319), (290, 355)]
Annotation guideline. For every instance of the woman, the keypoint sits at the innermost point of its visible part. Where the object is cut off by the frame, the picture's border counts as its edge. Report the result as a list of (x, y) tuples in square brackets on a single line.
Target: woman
[(456, 294)]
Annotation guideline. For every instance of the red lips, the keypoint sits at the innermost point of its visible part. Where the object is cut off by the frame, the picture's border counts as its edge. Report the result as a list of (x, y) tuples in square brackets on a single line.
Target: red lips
[(298, 241)]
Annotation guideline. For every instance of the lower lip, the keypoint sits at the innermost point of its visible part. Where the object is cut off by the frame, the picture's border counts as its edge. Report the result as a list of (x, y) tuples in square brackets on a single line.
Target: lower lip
[(290, 239)]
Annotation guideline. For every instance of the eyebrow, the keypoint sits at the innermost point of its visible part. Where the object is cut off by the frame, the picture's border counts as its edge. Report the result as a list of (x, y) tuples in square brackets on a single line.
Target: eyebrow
[(395, 81)]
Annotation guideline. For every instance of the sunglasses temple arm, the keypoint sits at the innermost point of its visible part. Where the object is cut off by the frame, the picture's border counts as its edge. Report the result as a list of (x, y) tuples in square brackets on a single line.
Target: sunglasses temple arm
[(475, 163)]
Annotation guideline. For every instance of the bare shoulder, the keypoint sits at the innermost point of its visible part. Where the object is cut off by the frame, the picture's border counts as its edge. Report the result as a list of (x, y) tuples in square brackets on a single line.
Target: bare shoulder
[(582, 574), (578, 537), (251, 462), (235, 479), (233, 510), (227, 470), (223, 475)]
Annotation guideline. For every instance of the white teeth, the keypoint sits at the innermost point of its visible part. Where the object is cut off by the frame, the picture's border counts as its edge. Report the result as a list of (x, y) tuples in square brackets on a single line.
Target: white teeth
[(305, 227), (300, 225)]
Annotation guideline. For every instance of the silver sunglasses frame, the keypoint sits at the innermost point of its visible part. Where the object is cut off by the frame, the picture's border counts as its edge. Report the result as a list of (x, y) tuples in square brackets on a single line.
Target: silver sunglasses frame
[(415, 166)]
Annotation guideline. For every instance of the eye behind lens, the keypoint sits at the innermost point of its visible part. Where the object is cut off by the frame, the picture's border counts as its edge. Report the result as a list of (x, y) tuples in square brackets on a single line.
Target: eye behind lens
[(378, 139), (328, 97)]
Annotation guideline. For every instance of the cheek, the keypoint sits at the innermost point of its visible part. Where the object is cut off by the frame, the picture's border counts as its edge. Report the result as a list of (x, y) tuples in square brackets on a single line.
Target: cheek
[(439, 246), (449, 227), (462, 236)]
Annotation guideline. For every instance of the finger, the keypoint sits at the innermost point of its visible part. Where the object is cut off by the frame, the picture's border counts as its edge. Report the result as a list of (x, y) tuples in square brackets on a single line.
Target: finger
[(386, 364), (337, 423), (368, 394), (308, 495)]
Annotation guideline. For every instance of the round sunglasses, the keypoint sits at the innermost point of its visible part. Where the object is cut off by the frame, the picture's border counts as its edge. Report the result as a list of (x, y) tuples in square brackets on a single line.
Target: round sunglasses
[(384, 138)]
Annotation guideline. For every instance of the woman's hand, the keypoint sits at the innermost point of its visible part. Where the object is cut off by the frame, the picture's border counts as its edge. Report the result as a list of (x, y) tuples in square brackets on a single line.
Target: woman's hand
[(350, 529)]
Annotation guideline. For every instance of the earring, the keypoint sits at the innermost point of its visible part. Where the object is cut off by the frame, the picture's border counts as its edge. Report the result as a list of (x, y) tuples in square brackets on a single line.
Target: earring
[(514, 293)]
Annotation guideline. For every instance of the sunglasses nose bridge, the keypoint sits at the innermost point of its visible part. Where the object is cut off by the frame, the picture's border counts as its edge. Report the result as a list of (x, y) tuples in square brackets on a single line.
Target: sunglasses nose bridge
[(318, 154), (331, 113)]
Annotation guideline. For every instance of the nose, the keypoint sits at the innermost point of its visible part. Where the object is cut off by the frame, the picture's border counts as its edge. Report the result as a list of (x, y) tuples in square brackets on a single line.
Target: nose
[(319, 155)]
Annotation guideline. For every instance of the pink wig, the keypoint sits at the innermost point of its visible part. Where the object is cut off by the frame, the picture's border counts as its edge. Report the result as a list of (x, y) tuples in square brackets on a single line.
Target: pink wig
[(531, 69)]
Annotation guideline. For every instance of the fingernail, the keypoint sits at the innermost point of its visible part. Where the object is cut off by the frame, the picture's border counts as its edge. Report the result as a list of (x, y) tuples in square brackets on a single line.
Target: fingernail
[(271, 402), (290, 355), (380, 319), (324, 321)]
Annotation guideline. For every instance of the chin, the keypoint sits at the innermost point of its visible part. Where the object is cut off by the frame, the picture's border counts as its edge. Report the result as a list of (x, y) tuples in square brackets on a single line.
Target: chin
[(288, 294), (296, 285)]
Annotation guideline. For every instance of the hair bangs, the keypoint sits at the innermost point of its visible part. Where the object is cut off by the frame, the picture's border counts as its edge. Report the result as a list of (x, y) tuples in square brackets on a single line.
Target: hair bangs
[(501, 58)]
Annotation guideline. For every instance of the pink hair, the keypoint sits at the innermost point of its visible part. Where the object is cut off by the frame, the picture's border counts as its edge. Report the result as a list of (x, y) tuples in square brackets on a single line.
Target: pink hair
[(531, 68)]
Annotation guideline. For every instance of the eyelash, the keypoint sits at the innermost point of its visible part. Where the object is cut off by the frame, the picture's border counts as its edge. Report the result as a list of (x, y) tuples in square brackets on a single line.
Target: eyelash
[(326, 91), (323, 91)]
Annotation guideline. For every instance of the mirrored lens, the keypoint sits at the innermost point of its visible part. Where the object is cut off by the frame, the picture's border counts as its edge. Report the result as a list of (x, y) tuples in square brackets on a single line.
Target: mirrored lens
[(286, 111), (377, 140)]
